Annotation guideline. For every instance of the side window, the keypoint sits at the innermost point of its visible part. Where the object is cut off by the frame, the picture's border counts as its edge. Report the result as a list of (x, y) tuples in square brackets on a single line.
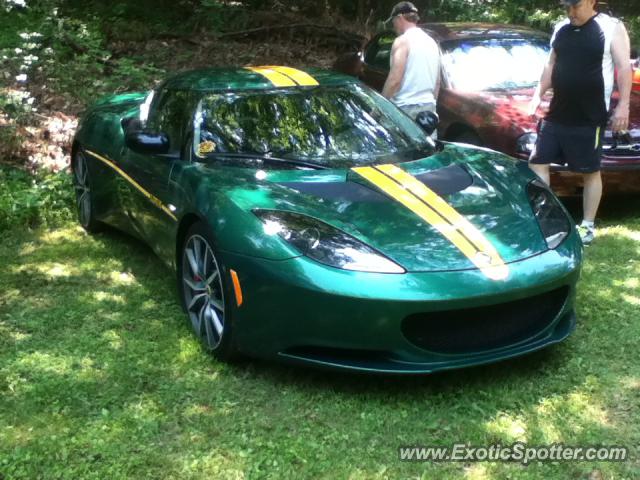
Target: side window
[(170, 114), (378, 54)]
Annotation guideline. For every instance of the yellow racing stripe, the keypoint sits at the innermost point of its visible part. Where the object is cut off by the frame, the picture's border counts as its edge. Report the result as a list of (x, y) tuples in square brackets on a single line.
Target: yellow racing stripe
[(438, 214), (301, 78), (148, 195), (436, 202), (278, 79)]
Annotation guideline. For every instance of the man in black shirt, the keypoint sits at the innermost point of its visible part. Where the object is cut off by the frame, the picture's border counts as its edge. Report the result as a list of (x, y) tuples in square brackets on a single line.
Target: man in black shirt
[(584, 49)]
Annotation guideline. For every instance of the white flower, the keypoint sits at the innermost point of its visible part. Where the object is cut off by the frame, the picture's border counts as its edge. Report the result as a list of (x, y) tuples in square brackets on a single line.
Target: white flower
[(21, 78)]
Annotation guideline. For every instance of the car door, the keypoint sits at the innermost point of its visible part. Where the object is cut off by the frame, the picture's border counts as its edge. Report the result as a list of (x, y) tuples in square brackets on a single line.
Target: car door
[(377, 56), (152, 209)]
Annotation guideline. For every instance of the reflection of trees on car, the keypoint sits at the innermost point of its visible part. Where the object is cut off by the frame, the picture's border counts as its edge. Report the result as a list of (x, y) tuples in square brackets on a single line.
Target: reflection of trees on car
[(170, 114), (325, 125)]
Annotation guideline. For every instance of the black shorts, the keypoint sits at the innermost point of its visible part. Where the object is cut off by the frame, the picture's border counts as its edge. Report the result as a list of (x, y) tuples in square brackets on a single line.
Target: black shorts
[(578, 147)]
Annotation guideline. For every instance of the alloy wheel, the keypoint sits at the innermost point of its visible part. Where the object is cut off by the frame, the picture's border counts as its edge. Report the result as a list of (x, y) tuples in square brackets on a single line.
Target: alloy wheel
[(83, 190), (203, 292)]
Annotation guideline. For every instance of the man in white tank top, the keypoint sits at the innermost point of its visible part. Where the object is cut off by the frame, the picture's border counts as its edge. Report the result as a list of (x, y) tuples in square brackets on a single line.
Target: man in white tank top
[(414, 78)]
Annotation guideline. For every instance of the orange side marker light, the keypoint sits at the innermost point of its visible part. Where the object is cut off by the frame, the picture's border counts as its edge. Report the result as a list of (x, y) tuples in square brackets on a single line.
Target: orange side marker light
[(236, 287)]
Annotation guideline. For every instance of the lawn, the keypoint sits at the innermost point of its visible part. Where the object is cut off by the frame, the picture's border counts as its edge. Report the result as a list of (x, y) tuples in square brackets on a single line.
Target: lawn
[(100, 377)]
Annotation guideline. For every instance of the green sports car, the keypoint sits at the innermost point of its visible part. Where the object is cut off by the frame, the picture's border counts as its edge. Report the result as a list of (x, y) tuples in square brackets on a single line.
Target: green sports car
[(308, 219)]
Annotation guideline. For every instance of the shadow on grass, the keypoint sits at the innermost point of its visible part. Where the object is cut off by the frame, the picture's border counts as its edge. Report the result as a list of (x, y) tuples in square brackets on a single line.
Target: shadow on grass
[(98, 361)]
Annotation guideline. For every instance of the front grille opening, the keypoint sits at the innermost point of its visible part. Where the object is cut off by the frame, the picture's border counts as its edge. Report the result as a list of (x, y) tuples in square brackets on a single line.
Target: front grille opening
[(484, 328), (622, 150)]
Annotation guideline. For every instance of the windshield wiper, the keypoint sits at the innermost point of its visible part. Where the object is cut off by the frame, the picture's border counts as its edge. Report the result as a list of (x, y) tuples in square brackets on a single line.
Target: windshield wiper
[(268, 158)]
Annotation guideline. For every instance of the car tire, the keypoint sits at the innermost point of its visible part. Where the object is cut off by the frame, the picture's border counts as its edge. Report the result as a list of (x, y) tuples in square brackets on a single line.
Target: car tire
[(85, 198), (469, 137), (203, 283)]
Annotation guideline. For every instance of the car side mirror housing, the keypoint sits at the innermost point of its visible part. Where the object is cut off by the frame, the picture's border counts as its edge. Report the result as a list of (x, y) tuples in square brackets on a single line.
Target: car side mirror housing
[(147, 143), (428, 121)]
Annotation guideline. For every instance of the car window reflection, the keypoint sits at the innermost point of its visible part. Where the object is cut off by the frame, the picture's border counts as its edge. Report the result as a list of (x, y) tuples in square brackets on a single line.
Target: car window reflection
[(514, 63), (336, 127)]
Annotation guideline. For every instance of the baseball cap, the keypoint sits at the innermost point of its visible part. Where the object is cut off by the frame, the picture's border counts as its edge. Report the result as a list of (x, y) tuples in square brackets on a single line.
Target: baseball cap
[(569, 2), (402, 7)]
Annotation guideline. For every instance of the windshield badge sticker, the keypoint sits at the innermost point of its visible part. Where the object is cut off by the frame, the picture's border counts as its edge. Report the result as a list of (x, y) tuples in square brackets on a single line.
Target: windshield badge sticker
[(206, 147)]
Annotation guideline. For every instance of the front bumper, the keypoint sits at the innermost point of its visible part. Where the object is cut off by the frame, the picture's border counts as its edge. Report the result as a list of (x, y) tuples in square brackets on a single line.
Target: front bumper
[(300, 311)]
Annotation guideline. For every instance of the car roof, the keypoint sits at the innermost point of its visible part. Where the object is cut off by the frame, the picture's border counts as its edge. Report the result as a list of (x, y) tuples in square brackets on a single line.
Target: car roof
[(254, 78), (452, 31)]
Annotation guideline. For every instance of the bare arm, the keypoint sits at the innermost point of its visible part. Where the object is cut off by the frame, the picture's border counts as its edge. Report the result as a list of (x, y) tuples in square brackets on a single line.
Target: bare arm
[(436, 88), (399, 54), (544, 84), (620, 50)]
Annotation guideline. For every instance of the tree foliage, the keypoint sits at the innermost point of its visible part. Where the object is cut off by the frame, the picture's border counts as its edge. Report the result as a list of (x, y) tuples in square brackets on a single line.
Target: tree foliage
[(61, 54), (187, 13)]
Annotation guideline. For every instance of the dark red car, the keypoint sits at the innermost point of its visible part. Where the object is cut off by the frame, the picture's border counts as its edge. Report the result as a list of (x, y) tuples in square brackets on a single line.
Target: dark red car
[(489, 74)]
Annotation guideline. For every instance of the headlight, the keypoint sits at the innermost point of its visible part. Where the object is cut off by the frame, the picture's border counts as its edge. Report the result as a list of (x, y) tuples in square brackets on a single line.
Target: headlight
[(526, 143), (324, 243), (553, 221)]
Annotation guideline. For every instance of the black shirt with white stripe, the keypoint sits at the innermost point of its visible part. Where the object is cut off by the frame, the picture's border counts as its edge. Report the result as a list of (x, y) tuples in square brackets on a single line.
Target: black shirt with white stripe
[(582, 78)]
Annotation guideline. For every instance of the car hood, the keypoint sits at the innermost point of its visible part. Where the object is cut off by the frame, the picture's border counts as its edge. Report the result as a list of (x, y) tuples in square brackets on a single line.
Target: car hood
[(512, 106), (486, 188), (505, 106)]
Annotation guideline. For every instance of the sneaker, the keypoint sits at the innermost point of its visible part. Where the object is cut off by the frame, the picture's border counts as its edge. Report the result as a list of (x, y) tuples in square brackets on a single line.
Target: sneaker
[(587, 234)]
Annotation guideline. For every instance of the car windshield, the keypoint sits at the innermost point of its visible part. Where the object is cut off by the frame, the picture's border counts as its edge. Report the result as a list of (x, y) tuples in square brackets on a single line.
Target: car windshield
[(491, 64), (333, 127)]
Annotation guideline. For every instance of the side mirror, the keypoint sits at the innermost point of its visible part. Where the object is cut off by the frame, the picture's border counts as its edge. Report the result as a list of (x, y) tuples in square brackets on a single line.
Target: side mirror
[(428, 121), (147, 143)]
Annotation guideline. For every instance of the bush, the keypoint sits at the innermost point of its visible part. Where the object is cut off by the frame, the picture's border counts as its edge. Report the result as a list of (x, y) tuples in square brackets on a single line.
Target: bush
[(28, 201)]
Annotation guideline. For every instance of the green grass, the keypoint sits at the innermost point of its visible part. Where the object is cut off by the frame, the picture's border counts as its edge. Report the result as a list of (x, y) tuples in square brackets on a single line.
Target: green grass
[(26, 200), (100, 378)]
